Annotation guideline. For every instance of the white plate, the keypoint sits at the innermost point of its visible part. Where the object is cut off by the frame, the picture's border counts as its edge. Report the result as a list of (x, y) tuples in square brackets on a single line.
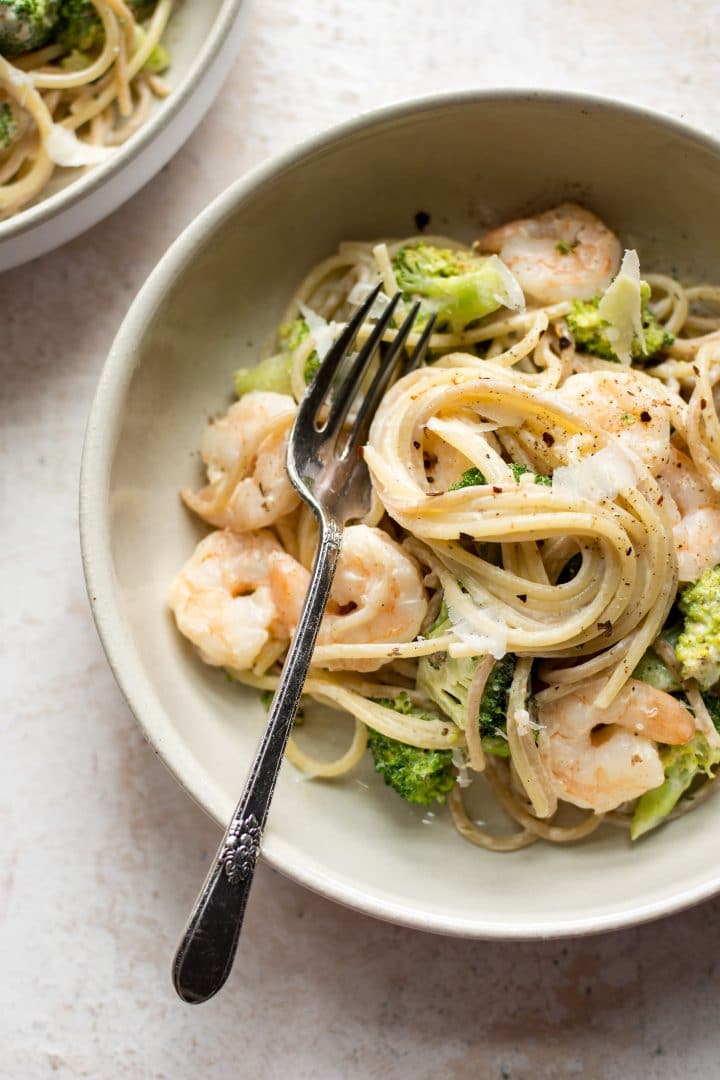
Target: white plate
[(203, 37), (467, 159)]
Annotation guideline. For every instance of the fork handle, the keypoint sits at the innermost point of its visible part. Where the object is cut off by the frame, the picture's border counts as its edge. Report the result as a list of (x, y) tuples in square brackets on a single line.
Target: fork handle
[(204, 957)]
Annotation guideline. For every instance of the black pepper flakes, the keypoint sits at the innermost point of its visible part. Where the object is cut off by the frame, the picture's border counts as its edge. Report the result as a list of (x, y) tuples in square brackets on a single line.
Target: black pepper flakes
[(645, 416), (548, 439)]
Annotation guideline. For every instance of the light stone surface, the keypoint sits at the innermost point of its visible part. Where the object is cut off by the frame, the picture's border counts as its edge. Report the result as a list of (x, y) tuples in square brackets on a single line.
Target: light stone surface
[(101, 852)]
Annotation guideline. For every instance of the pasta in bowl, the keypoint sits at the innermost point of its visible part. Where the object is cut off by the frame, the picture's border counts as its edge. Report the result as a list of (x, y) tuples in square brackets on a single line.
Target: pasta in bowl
[(95, 96), (222, 292), (535, 594)]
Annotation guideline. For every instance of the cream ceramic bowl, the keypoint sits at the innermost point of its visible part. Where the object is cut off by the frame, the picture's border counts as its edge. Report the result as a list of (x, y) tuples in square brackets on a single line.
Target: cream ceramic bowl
[(203, 37), (467, 160)]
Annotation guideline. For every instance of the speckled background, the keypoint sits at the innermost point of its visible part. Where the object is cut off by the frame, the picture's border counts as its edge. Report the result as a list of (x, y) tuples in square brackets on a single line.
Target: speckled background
[(101, 851)]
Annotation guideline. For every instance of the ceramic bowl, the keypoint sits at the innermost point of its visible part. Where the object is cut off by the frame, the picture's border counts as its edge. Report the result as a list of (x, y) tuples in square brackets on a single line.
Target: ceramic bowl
[(203, 37), (466, 160)]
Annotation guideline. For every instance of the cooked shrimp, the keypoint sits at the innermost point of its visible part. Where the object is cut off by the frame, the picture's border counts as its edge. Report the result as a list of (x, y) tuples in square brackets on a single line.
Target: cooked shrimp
[(600, 758), (377, 595), (637, 415), (693, 507), (248, 487), (564, 254), (221, 599)]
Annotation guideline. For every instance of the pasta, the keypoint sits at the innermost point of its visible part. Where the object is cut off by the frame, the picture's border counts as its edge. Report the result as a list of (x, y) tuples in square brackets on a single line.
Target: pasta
[(547, 490), (66, 106)]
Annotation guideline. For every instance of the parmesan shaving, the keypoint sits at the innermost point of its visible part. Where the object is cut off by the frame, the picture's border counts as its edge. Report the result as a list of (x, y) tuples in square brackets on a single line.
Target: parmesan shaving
[(359, 294), (598, 476), (525, 723), (513, 296), (64, 148), (621, 308), (491, 638), (322, 332)]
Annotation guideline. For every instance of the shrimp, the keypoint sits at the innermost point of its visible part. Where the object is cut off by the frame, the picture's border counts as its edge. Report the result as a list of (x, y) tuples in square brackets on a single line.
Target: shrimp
[(600, 758), (637, 415), (248, 486), (222, 601), (693, 508), (567, 253), (377, 595)]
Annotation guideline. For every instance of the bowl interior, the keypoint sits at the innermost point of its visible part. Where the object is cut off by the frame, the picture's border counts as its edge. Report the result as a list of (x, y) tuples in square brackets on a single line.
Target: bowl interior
[(208, 308)]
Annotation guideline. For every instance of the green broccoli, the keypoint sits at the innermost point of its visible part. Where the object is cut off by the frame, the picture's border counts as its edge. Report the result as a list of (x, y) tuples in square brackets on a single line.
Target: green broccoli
[(698, 646), (273, 373), (446, 680), (292, 335), (682, 765), (159, 60), (8, 125), (652, 670), (80, 27), (417, 775), (458, 286), (26, 24), (588, 329)]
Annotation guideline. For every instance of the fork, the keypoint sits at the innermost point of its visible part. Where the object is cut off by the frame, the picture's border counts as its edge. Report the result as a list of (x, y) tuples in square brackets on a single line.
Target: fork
[(325, 464)]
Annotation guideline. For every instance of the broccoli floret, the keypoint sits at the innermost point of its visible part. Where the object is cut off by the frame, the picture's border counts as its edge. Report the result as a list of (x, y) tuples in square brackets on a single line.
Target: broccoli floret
[(682, 764), (273, 373), (80, 27), (446, 680), (417, 775), (588, 329), (493, 707), (458, 286), (698, 646), (8, 125), (26, 24), (159, 60), (652, 670), (292, 335)]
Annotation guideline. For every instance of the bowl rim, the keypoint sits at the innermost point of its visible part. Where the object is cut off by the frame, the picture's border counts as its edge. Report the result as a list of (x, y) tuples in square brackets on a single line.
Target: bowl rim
[(101, 436), (46, 209)]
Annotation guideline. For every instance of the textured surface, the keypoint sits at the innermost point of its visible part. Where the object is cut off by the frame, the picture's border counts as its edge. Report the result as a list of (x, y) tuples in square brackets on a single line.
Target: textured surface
[(101, 852)]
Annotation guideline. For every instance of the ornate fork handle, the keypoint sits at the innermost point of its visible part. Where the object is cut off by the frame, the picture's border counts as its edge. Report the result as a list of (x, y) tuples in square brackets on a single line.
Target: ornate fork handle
[(205, 955)]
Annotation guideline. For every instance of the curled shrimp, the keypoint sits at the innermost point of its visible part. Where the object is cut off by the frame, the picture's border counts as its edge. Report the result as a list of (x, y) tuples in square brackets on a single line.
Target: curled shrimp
[(693, 508), (564, 254), (636, 414), (244, 452), (600, 758), (221, 599), (377, 595)]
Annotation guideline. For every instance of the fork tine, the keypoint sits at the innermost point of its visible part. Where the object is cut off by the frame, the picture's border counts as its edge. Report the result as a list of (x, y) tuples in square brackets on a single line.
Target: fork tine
[(335, 355), (379, 384), (420, 351), (340, 407)]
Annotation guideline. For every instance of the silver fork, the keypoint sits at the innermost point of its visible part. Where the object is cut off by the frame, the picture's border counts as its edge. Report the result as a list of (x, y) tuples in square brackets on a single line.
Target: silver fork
[(325, 464)]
